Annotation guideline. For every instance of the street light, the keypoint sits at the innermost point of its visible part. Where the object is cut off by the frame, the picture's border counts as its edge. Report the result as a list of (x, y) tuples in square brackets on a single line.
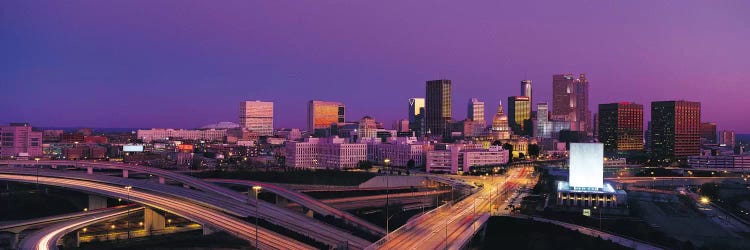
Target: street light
[(37, 173), (600, 217), (256, 190), (127, 219), (387, 192)]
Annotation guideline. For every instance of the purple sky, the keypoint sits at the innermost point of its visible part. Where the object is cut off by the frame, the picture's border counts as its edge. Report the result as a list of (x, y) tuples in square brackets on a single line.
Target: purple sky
[(186, 64)]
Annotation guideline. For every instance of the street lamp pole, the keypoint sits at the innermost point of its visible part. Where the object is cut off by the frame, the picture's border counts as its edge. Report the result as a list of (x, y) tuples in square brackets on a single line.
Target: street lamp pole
[(37, 173), (127, 220), (257, 190), (387, 192)]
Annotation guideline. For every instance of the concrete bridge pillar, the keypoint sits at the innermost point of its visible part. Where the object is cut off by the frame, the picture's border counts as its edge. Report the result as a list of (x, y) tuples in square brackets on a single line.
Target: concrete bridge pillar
[(281, 201), (97, 202), (72, 240), (125, 173), (90, 170), (153, 220), (12, 239), (207, 230), (161, 180)]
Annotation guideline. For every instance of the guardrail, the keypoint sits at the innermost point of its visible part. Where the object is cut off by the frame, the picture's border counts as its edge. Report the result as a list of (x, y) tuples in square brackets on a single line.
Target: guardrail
[(409, 225)]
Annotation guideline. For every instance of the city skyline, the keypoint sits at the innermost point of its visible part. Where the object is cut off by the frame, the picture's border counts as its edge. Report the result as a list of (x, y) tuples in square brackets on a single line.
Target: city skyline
[(68, 56)]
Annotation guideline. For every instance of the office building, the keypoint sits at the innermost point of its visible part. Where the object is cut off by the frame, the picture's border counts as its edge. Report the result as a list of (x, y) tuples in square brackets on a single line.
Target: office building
[(160, 134), (570, 101), (257, 116), (708, 133), (526, 90), (438, 107), (50, 136), (475, 110), (726, 138), (519, 115), (325, 153), (366, 128), (322, 114), (401, 125), (291, 134), (621, 126), (417, 116), (20, 140), (399, 150), (675, 129), (458, 158)]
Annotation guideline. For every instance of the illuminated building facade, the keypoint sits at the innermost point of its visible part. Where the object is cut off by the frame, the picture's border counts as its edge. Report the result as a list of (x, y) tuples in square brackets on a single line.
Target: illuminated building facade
[(675, 129), (519, 114), (621, 126), (321, 114), (438, 107), (257, 116)]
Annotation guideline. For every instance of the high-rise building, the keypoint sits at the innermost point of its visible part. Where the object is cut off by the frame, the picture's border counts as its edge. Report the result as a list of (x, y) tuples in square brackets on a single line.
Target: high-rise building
[(321, 114), (401, 125), (526, 89), (476, 110), (621, 126), (545, 127), (519, 111), (257, 116), (20, 139), (367, 128), (416, 107), (438, 107), (708, 133), (726, 137), (417, 116), (570, 101), (675, 129)]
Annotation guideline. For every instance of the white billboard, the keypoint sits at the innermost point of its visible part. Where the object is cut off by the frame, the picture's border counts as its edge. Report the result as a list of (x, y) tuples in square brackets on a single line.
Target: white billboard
[(586, 165), (132, 148)]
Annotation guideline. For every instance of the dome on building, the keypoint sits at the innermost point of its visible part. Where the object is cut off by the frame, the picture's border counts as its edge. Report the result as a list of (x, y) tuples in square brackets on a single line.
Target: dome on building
[(221, 125)]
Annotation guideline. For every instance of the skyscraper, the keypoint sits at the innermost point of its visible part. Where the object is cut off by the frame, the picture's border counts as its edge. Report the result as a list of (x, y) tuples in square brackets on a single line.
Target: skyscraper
[(570, 101), (257, 116), (675, 129), (321, 114), (526, 90), (621, 126), (416, 106), (476, 110), (475, 113), (416, 116), (726, 137), (708, 133), (519, 111), (438, 106)]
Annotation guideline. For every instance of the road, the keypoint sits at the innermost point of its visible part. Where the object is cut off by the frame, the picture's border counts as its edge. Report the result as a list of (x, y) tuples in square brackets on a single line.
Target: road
[(178, 206), (286, 218), (17, 226), (447, 227), (306, 201), (47, 237)]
